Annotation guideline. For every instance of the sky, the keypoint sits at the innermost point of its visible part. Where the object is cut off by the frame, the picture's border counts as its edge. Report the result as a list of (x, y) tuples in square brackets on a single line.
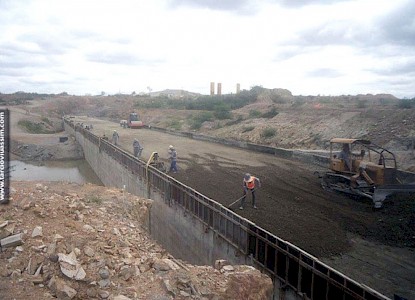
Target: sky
[(310, 47)]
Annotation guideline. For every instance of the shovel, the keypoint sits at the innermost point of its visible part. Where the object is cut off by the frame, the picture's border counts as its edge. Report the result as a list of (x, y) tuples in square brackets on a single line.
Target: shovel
[(239, 199)]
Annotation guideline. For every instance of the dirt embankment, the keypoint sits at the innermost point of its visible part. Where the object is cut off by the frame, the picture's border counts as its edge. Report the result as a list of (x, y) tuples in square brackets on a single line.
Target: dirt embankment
[(30, 142), (92, 244)]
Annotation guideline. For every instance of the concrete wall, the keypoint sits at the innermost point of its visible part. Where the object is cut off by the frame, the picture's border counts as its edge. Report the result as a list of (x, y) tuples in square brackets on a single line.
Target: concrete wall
[(187, 238)]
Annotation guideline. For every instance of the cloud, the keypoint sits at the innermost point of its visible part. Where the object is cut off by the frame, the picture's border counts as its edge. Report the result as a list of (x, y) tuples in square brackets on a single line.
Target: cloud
[(300, 3), (16, 56), (325, 73), (398, 26), (307, 46), (247, 6), (332, 33), (237, 6), (117, 57), (397, 69)]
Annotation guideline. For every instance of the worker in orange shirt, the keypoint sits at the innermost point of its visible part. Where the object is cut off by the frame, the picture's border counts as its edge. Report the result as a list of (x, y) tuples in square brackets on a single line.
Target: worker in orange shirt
[(250, 183)]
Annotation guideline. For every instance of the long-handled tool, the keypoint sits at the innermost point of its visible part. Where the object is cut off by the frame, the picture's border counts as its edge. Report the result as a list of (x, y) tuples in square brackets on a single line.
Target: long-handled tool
[(239, 199)]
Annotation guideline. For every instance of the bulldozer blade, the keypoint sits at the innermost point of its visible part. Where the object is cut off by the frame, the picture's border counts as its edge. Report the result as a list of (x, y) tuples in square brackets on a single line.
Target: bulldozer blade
[(382, 192)]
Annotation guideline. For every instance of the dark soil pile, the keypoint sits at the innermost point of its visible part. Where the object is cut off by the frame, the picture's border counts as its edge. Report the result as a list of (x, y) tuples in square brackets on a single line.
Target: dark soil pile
[(292, 205)]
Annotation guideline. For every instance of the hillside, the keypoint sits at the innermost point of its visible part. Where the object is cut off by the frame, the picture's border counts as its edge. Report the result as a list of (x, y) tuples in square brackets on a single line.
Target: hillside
[(265, 116)]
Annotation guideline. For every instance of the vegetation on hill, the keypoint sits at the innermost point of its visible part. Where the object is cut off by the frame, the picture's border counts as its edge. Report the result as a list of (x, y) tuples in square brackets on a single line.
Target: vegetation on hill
[(272, 117)]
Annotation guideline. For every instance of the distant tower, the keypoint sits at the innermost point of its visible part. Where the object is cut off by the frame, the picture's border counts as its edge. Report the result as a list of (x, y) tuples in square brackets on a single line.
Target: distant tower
[(219, 88), (238, 88), (212, 88)]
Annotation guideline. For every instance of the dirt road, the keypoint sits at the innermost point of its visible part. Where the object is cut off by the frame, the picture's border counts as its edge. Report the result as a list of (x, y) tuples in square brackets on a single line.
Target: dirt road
[(292, 205)]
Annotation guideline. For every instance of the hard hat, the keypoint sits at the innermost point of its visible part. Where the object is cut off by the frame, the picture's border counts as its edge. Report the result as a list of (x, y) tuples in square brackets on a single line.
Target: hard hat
[(248, 177), (171, 147)]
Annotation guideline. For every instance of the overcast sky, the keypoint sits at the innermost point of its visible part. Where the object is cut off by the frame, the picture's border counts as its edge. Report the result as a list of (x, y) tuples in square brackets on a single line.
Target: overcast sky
[(311, 47)]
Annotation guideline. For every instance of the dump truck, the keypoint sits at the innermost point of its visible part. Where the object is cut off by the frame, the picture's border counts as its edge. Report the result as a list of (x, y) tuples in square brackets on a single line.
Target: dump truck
[(134, 121), (367, 170)]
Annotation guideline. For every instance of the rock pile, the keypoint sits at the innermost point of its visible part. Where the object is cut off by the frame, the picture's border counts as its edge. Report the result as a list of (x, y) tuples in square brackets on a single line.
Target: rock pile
[(89, 242)]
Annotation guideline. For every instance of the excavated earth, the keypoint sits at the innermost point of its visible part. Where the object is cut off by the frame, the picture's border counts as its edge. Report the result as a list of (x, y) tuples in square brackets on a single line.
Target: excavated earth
[(373, 247), (292, 205), (90, 242)]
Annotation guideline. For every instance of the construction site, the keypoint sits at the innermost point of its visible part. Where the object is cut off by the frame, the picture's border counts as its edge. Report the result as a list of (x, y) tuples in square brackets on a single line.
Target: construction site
[(314, 243)]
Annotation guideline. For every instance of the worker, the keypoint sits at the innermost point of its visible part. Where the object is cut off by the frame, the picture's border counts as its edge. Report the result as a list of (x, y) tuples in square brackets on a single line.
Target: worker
[(250, 183), (115, 137), (137, 148), (173, 159), (345, 156)]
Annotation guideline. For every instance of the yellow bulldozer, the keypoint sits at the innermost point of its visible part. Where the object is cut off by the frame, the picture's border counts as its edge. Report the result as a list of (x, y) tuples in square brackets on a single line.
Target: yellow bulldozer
[(360, 168)]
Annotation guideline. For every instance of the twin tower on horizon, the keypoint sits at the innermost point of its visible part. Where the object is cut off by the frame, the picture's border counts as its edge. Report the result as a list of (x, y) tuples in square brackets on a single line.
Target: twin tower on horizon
[(219, 90)]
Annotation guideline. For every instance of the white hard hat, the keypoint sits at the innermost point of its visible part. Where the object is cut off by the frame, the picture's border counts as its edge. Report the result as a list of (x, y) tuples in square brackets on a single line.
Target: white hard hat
[(171, 147)]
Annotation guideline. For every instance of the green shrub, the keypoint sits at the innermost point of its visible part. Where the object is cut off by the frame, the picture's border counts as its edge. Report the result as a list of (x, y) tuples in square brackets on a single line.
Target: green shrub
[(361, 103), (248, 128), (197, 120), (406, 103), (298, 102), (270, 114), (239, 119), (222, 111), (222, 114), (268, 133), (385, 101), (175, 124), (278, 99), (47, 121), (210, 103), (94, 199), (32, 127), (255, 113), (325, 100)]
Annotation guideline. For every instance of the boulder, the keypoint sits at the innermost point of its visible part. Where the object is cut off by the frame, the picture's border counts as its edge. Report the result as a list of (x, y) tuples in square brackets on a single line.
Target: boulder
[(248, 285), (37, 231), (70, 266)]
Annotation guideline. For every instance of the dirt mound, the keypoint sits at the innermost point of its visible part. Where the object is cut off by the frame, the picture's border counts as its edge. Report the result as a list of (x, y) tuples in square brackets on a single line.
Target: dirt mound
[(91, 244), (292, 205)]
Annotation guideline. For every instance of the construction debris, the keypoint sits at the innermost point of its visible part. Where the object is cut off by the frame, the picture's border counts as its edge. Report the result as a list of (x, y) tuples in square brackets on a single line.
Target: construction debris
[(84, 244), (11, 241)]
